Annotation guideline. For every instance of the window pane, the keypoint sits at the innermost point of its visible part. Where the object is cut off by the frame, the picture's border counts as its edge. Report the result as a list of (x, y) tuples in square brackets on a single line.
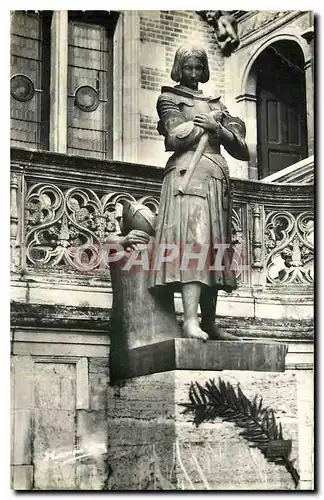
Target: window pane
[(90, 63), (29, 53)]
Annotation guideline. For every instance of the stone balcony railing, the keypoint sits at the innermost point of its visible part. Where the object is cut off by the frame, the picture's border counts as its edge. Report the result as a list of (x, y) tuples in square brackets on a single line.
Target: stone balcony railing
[(301, 172), (60, 202)]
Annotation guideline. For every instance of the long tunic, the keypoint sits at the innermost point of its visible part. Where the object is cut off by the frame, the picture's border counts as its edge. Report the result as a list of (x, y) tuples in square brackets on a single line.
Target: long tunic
[(192, 239)]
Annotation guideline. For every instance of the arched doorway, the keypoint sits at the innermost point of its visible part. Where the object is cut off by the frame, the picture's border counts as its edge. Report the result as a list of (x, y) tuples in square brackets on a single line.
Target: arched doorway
[(281, 107)]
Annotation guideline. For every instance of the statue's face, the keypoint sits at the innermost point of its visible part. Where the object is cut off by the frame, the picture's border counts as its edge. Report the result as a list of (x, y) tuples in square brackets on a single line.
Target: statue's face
[(211, 15), (192, 72)]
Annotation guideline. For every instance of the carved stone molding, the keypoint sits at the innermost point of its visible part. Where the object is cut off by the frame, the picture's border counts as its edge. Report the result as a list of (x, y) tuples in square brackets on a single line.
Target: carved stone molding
[(257, 20), (289, 247), (301, 172)]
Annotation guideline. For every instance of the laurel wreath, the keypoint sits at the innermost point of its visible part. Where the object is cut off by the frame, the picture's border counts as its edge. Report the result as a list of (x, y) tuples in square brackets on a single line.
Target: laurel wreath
[(259, 423)]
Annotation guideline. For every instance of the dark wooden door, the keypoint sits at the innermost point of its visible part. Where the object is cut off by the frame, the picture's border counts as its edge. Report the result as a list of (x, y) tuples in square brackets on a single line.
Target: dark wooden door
[(282, 131)]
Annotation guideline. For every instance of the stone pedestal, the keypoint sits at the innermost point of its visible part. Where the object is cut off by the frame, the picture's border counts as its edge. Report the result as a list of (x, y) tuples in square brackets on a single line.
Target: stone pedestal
[(152, 445), (190, 354)]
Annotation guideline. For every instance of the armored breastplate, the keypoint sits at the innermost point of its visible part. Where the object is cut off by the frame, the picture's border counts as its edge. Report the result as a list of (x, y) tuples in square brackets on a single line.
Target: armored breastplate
[(190, 104)]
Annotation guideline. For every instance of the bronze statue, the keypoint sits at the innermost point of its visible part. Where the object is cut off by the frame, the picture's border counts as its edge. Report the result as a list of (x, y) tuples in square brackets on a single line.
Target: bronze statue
[(195, 206)]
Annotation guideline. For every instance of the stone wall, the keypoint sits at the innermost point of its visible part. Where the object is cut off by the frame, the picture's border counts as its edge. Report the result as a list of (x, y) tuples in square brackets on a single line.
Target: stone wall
[(59, 409), (154, 446), (62, 401)]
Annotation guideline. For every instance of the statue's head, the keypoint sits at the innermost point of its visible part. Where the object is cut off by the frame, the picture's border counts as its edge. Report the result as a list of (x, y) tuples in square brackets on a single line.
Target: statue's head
[(190, 65), (212, 16)]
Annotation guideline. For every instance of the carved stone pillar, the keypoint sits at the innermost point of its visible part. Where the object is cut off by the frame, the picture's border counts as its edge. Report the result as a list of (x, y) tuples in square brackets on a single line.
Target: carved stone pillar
[(308, 35), (131, 85), (248, 103), (257, 238), (59, 72), (14, 257)]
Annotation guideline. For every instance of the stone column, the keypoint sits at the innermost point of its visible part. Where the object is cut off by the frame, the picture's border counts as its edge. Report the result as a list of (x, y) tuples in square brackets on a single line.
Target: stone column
[(310, 106), (248, 104), (308, 35), (131, 85), (59, 82), (118, 90), (236, 107)]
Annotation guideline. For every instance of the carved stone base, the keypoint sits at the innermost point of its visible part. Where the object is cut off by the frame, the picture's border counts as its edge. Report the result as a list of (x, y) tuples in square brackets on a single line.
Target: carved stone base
[(189, 354), (153, 446)]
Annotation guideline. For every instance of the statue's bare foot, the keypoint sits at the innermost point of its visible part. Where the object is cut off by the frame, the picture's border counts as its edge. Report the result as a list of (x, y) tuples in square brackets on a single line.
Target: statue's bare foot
[(191, 330), (215, 333)]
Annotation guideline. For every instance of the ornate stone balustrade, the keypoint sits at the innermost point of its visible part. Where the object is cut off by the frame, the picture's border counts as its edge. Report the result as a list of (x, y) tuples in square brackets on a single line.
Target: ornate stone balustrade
[(60, 204), (301, 172)]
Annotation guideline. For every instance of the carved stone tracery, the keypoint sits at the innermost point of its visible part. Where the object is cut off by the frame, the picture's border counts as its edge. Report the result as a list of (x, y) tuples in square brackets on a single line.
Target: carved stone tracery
[(58, 222), (237, 241), (289, 246)]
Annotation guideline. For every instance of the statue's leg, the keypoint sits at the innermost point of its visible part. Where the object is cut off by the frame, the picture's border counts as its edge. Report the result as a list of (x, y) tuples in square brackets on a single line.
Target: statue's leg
[(168, 298), (190, 293), (208, 302)]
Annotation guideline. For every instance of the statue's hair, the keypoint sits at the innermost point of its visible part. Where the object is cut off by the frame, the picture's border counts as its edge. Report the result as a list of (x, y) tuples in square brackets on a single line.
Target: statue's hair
[(182, 53)]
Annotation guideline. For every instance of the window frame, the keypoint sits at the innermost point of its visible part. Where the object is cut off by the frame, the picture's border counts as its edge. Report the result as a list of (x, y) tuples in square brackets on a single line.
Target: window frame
[(45, 19), (107, 20)]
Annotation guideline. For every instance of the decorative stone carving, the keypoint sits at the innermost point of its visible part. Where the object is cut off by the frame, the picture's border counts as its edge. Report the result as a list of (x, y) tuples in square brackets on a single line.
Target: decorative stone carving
[(225, 28), (257, 238), (289, 246), (257, 20), (59, 221), (14, 221), (237, 240)]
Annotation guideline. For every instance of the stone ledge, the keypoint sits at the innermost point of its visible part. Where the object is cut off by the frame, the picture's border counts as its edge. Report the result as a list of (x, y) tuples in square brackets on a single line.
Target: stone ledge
[(190, 354), (56, 316)]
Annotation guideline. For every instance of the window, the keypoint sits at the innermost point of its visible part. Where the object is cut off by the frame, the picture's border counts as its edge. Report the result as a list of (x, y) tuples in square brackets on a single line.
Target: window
[(90, 64), (30, 79), (86, 103)]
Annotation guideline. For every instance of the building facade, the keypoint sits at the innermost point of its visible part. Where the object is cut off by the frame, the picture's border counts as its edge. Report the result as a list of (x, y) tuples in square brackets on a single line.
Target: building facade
[(84, 86)]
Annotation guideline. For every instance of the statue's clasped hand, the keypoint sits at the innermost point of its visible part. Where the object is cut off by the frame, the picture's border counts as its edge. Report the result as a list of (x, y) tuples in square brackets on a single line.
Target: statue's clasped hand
[(135, 239), (209, 122)]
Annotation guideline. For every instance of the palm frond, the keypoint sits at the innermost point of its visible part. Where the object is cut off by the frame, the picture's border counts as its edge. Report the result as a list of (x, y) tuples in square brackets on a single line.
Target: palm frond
[(258, 423)]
